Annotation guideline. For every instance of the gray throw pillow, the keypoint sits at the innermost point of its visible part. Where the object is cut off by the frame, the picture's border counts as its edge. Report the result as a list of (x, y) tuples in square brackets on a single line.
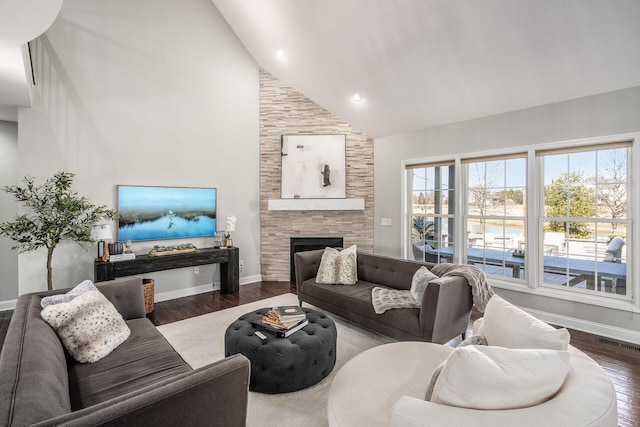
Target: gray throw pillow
[(421, 279), (432, 383), (80, 289)]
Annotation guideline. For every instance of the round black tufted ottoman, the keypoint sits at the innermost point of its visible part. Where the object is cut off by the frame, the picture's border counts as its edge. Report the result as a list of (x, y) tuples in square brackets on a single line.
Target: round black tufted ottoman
[(281, 365)]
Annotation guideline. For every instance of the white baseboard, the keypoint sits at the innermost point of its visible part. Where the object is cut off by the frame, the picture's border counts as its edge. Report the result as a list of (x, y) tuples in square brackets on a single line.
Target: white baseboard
[(9, 304), (181, 293), (600, 329), (164, 296)]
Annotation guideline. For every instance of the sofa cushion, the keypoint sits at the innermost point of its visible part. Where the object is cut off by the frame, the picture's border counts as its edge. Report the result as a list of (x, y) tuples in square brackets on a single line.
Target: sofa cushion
[(142, 360), (421, 279), (506, 325), (338, 267), (78, 290), (357, 300), (89, 326), (487, 377)]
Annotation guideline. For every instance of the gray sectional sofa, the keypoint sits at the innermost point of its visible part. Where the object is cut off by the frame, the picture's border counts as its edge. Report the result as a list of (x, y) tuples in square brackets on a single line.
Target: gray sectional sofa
[(443, 315), (142, 382)]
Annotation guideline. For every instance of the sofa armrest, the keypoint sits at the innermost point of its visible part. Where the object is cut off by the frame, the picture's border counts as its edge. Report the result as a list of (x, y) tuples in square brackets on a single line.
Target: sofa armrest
[(306, 264), (216, 394), (446, 308)]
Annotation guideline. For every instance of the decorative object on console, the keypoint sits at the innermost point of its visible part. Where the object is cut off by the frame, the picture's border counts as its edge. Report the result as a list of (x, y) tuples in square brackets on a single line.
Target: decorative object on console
[(313, 167), (116, 248), (220, 239), (172, 250), (122, 257), (103, 234), (231, 226), (55, 213)]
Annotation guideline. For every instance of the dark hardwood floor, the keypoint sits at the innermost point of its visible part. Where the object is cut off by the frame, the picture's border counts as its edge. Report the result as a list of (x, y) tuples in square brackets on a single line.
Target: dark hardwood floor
[(619, 359)]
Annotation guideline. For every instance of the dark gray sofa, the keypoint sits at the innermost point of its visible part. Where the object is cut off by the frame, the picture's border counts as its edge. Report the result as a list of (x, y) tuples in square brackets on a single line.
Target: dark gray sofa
[(142, 382), (444, 313)]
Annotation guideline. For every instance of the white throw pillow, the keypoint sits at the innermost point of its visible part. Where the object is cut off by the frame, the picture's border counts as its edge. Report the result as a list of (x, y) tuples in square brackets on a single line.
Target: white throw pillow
[(421, 279), (80, 289), (338, 267), (497, 378), (506, 325), (89, 326)]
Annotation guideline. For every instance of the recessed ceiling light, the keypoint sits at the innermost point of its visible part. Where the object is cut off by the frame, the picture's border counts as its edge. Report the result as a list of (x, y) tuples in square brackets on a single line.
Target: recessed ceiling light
[(357, 97), (280, 54)]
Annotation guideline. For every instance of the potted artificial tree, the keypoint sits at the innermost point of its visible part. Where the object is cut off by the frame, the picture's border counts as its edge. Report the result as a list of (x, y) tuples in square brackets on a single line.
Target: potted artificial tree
[(55, 213)]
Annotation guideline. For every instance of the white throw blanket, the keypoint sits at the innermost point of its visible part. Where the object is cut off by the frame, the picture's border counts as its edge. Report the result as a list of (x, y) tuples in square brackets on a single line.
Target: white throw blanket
[(480, 288), (384, 299)]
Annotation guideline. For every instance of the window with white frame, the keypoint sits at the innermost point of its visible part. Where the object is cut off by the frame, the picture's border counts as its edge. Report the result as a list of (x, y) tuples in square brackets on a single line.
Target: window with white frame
[(565, 224), (495, 215), (431, 218), (584, 218)]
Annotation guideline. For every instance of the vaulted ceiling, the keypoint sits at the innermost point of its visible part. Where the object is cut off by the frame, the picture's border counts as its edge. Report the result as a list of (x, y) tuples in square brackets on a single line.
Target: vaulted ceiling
[(417, 63), (20, 22), (422, 63)]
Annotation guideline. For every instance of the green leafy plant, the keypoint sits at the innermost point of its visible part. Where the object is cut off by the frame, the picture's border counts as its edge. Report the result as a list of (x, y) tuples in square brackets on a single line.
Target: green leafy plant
[(568, 195), (55, 213)]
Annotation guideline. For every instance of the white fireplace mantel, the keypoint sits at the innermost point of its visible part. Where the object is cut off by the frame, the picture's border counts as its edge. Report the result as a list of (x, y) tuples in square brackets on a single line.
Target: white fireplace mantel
[(316, 204)]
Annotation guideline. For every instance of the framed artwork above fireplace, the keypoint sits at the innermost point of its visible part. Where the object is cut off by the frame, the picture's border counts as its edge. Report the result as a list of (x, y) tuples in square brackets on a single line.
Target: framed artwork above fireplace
[(313, 166)]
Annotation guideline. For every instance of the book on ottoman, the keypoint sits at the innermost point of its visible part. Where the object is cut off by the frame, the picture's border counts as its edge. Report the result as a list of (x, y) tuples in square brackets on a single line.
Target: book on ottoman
[(281, 331)]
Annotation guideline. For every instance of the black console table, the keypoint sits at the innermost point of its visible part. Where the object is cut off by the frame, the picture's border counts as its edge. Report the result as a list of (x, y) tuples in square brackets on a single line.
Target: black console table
[(228, 259)]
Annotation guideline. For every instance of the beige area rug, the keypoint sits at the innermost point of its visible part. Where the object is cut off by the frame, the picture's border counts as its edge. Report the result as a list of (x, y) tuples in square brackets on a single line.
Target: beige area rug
[(200, 340)]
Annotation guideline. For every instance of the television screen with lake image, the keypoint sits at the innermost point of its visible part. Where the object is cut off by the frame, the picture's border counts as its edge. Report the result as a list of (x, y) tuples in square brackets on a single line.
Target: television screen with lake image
[(155, 213)]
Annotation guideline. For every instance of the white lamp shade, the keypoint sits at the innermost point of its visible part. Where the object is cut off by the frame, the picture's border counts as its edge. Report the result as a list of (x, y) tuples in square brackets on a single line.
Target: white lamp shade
[(103, 232)]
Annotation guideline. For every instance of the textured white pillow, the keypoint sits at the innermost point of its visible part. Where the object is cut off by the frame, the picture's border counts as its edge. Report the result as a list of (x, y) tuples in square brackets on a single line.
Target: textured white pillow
[(338, 267), (421, 279), (506, 325), (487, 377), (89, 326), (80, 289)]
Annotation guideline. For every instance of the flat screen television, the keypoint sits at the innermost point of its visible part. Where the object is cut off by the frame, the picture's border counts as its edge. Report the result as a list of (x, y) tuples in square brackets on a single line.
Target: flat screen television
[(157, 213)]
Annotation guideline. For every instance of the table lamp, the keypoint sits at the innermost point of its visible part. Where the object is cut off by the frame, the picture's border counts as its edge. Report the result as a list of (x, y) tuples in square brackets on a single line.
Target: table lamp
[(101, 234)]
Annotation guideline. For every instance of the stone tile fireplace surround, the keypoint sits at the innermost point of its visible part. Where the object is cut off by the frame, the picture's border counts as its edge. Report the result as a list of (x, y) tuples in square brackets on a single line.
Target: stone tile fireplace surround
[(286, 111)]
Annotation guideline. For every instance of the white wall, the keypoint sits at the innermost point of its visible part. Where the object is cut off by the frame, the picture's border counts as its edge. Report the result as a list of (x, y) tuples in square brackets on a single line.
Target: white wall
[(606, 114), (151, 92), (8, 209)]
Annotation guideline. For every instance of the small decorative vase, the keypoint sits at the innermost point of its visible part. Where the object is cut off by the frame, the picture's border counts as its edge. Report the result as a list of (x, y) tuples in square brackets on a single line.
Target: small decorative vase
[(229, 242)]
